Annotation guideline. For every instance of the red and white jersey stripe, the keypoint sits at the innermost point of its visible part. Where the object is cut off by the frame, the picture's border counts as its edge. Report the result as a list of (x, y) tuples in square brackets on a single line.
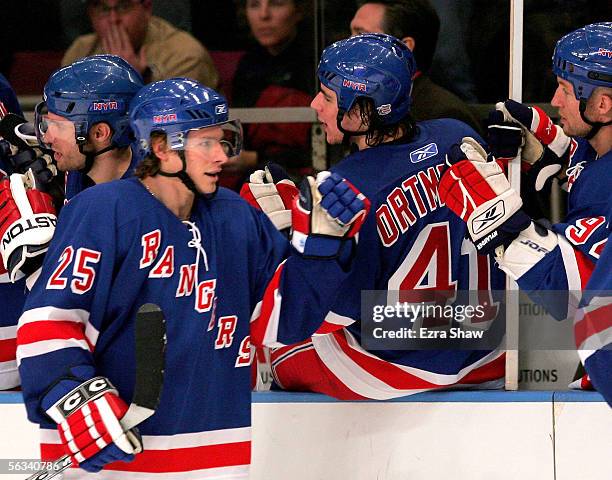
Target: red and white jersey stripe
[(265, 318), (48, 329), (218, 454), (593, 326), (371, 377)]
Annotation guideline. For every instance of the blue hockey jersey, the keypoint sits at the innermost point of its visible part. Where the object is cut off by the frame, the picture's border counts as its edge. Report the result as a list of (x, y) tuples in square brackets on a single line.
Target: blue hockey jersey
[(217, 279), (410, 241), (593, 324), (583, 235)]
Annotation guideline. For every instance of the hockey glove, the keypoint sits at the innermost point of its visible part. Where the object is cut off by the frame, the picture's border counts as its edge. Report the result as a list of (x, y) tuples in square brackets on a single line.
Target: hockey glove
[(88, 418), (37, 160), (327, 211), (272, 192), (537, 132), (479, 193), (27, 223)]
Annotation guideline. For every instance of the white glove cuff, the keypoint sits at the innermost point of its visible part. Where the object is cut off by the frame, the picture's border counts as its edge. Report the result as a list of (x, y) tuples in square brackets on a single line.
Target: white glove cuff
[(35, 230), (525, 251)]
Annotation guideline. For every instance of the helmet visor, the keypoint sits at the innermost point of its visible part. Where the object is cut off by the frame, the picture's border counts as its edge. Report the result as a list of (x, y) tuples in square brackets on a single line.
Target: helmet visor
[(228, 135), (49, 126)]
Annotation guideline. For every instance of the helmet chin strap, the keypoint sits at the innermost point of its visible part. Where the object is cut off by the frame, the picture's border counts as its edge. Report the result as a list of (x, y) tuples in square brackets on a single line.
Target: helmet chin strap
[(595, 126), (347, 134), (91, 156)]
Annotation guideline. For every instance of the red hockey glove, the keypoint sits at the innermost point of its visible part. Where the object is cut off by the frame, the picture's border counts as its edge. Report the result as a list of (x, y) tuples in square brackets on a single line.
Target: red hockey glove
[(88, 419), (272, 192), (27, 223), (327, 211), (479, 193)]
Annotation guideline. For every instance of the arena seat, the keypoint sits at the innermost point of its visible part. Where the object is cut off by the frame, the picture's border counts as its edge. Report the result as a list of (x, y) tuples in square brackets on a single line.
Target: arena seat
[(30, 70), (226, 63)]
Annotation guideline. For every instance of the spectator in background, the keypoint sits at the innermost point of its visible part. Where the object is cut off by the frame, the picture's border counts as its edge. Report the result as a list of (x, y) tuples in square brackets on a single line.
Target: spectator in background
[(416, 23), (277, 71), (153, 46)]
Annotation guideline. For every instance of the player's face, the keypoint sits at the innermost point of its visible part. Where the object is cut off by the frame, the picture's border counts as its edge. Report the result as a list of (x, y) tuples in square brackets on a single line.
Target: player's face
[(368, 19), (568, 106), (131, 15), (60, 136), (206, 153), (326, 105), (273, 22)]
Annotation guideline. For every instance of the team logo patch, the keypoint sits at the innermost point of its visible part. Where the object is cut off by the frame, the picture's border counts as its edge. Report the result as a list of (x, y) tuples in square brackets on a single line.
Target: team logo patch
[(384, 109), (424, 153), (221, 109), (487, 218), (167, 118), (360, 87), (105, 106)]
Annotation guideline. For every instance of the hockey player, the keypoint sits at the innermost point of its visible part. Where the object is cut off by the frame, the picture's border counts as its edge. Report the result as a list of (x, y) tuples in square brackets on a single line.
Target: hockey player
[(84, 122), (409, 242), (592, 325), (12, 294), (562, 258), (83, 119), (213, 265)]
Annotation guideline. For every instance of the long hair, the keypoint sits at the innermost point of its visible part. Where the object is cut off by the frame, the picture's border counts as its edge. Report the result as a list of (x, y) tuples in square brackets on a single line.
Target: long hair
[(377, 132)]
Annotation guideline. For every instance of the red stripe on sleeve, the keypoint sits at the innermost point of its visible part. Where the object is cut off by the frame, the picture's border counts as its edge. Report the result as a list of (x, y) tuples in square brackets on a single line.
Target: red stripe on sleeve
[(260, 324), (51, 330), (593, 323)]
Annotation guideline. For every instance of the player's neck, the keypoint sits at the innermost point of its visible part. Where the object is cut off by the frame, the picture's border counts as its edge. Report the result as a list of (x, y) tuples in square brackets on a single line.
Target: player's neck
[(110, 165), (172, 193), (361, 143), (602, 142)]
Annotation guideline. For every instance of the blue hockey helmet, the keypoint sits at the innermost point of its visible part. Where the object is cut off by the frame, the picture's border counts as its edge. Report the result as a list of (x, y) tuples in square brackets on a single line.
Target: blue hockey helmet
[(91, 90), (584, 58), (175, 107), (370, 65)]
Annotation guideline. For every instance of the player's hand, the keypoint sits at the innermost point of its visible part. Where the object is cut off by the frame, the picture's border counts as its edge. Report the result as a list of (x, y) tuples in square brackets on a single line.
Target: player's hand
[(272, 192), (477, 191), (116, 41), (88, 419), (27, 223), (328, 210), (545, 147)]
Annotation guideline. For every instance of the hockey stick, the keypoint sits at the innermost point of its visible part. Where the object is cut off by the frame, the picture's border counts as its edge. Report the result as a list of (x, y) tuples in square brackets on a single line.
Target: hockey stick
[(150, 336)]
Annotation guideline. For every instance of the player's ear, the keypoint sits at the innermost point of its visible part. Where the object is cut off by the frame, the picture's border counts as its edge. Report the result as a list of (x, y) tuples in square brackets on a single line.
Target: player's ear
[(410, 43), (101, 134), (605, 104), (159, 146)]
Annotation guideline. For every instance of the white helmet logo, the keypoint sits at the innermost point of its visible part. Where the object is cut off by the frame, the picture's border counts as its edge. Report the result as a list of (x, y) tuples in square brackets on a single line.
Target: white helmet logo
[(384, 109)]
